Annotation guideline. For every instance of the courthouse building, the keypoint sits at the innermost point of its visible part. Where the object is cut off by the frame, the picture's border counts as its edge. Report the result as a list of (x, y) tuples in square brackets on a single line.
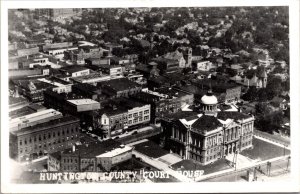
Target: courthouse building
[(210, 135)]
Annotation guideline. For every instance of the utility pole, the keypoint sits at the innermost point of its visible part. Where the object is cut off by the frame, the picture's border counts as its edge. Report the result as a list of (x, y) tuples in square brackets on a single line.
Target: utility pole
[(288, 163)]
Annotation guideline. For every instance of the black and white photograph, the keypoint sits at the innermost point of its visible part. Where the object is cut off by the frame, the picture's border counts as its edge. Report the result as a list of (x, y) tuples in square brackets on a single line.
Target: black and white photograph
[(146, 94)]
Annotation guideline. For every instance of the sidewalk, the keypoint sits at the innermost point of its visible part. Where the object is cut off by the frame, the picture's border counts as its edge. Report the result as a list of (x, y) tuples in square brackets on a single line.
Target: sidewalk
[(162, 166), (239, 168), (273, 142)]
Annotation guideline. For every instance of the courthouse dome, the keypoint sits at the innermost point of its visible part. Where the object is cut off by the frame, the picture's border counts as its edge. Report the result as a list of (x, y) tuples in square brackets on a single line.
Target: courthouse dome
[(209, 98)]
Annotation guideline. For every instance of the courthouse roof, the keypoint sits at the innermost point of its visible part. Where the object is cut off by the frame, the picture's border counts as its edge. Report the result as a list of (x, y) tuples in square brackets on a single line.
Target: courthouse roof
[(206, 123)]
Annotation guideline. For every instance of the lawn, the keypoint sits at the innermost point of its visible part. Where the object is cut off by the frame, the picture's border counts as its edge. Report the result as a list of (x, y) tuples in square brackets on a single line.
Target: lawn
[(263, 150), (219, 165), (150, 149)]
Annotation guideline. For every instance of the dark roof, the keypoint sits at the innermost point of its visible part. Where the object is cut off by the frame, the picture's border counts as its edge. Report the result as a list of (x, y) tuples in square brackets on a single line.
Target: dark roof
[(110, 111), (232, 115), (73, 68), (206, 123), (171, 92), (124, 103), (88, 88), (120, 84), (180, 115), (36, 107), (93, 149), (21, 112), (39, 85)]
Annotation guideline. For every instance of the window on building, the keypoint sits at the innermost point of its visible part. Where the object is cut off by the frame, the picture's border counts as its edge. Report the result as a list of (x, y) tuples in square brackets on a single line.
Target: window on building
[(140, 113), (58, 133), (140, 119), (146, 111), (130, 121), (20, 142), (146, 117), (25, 141), (135, 114)]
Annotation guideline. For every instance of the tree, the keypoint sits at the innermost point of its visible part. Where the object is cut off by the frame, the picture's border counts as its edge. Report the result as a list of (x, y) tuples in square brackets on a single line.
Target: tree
[(274, 87)]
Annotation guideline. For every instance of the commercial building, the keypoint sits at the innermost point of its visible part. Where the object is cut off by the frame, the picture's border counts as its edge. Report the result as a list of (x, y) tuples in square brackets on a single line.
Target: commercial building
[(123, 114), (59, 86), (92, 78), (164, 101), (227, 93), (93, 157), (55, 135), (32, 89), (80, 105), (69, 103), (167, 65), (88, 91), (33, 119), (74, 71), (210, 135), (60, 45), (114, 71), (27, 51), (119, 87), (26, 72), (83, 52)]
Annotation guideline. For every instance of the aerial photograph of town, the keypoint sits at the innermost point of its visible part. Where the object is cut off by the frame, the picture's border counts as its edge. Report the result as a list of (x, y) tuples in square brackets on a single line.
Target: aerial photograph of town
[(149, 94)]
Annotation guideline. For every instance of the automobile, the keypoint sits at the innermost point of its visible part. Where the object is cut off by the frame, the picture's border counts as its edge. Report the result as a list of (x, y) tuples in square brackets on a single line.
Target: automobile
[(135, 132)]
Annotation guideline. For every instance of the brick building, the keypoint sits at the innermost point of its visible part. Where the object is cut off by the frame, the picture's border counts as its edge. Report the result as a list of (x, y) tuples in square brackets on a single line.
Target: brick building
[(119, 87), (164, 101), (40, 139), (93, 157), (124, 114)]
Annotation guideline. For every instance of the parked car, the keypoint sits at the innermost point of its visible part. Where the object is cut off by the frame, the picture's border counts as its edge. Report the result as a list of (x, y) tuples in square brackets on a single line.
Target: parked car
[(135, 132)]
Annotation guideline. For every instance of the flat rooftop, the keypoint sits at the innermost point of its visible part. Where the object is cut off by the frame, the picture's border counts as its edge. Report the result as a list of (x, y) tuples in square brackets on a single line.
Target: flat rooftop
[(34, 117), (46, 125), (96, 149), (120, 84), (84, 101), (91, 76)]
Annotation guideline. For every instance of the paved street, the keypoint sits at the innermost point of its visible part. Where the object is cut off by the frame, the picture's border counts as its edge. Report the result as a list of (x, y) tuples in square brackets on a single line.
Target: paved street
[(277, 169), (162, 166)]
